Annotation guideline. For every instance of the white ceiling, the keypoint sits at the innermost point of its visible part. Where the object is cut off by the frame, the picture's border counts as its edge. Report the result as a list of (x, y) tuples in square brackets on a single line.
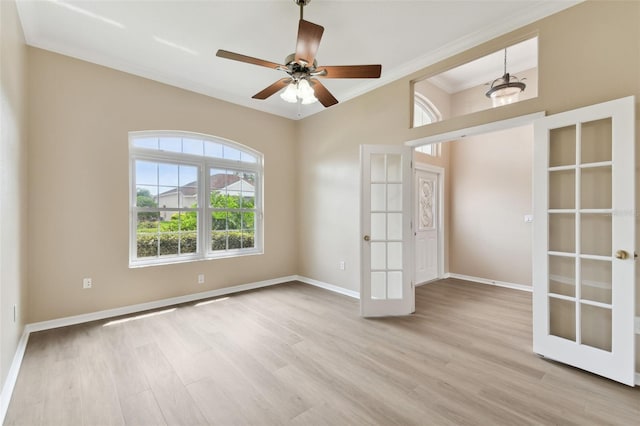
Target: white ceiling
[(174, 42)]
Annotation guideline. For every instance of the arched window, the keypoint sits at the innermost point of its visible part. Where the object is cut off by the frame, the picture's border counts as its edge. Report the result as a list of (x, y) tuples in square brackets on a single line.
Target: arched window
[(193, 197), (424, 112)]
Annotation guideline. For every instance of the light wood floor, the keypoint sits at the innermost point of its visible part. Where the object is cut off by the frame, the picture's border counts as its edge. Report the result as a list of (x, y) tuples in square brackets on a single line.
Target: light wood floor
[(295, 354)]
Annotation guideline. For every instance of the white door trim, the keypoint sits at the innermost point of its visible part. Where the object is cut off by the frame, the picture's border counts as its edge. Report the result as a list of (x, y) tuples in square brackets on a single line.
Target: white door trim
[(440, 225)]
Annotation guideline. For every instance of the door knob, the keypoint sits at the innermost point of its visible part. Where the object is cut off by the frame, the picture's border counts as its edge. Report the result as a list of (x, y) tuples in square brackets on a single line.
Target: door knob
[(367, 238), (621, 254)]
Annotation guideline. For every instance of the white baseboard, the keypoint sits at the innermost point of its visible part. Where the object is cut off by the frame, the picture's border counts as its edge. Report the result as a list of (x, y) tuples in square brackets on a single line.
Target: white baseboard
[(132, 309), (12, 376), (514, 286), (330, 287)]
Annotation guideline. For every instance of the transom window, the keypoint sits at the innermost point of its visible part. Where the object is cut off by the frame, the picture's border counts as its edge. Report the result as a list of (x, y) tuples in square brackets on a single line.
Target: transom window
[(193, 197), (425, 112)]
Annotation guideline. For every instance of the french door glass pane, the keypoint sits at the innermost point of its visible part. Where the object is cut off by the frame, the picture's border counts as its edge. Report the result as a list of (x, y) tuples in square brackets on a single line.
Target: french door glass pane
[(562, 233), (596, 280), (394, 168), (562, 275), (378, 196), (378, 285), (595, 188), (378, 169), (562, 318), (378, 255), (395, 284), (595, 328), (394, 223), (562, 146), (394, 201), (378, 226), (562, 184), (595, 235), (596, 141)]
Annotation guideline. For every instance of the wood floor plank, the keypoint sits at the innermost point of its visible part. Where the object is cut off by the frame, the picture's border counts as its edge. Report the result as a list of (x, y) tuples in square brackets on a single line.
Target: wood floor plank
[(295, 354), (142, 409)]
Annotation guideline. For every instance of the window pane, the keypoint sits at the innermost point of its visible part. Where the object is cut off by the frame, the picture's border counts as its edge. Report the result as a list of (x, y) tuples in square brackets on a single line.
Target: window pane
[(188, 186), (219, 220), (169, 243), (247, 239), (234, 240), (148, 222), (149, 143), (147, 245), (248, 221), (218, 240), (230, 153), (188, 242), (168, 174), (212, 149), (146, 196), (146, 173), (192, 146), (169, 196), (248, 158), (171, 144)]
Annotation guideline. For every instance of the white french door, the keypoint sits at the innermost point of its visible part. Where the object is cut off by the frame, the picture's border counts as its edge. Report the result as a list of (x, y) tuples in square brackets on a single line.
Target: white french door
[(584, 239), (386, 286)]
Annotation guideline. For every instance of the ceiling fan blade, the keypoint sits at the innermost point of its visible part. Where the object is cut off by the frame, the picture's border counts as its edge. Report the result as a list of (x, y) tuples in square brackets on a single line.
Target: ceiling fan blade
[(248, 59), (275, 87), (324, 96), (351, 71), (309, 36)]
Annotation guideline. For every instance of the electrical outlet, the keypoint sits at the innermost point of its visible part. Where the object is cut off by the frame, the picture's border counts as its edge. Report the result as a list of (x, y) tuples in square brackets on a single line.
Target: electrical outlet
[(342, 265), (200, 278), (87, 283)]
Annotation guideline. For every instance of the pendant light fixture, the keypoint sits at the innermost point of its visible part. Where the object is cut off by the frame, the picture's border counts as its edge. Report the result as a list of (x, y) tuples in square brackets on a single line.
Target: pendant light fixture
[(506, 89)]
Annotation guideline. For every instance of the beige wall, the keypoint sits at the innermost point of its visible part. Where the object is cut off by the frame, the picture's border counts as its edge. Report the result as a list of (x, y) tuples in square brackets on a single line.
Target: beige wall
[(13, 187), (79, 115), (491, 191)]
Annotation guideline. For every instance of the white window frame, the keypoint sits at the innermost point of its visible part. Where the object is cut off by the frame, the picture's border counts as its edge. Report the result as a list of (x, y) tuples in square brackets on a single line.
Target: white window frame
[(204, 210)]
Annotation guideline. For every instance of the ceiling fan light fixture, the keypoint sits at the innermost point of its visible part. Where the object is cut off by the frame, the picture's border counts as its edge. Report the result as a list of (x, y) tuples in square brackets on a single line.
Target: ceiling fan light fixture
[(506, 89), (290, 93), (305, 92), (299, 90)]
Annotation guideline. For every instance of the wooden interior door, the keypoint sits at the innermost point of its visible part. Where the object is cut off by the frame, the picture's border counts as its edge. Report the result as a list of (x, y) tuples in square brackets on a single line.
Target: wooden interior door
[(584, 239)]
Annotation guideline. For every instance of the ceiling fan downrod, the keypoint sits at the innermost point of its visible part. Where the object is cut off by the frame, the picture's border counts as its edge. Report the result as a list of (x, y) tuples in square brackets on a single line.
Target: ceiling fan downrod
[(302, 4)]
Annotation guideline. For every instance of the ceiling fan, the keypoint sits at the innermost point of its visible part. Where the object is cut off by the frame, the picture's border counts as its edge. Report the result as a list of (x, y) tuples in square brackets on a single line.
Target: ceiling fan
[(303, 68)]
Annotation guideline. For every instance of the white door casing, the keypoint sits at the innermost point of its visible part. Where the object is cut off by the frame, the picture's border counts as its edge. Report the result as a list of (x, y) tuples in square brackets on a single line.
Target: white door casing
[(386, 286), (584, 239), (427, 223)]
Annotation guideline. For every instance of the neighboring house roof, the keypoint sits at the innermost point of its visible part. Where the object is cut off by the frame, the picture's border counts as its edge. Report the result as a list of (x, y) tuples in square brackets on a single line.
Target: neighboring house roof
[(231, 183)]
